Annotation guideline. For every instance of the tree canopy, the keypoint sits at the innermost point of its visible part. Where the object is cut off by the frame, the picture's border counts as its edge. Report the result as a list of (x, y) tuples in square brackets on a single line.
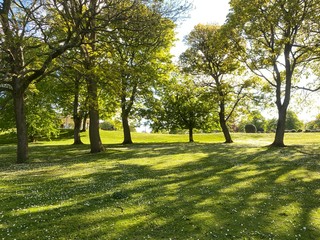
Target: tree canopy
[(34, 34), (211, 54), (281, 37), (182, 105)]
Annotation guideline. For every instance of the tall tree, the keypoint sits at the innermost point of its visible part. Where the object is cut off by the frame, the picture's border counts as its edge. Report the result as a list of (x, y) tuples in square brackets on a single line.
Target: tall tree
[(115, 17), (279, 38), (140, 57), (70, 94), (183, 105), (32, 35), (89, 51), (211, 54)]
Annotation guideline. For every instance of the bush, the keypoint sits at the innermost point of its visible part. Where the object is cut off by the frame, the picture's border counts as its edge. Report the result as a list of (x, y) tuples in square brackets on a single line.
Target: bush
[(107, 126), (250, 128)]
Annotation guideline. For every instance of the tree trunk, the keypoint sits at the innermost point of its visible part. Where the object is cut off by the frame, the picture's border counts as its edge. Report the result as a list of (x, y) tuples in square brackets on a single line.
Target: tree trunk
[(126, 107), (222, 112), (281, 126), (94, 134), (223, 124), (191, 135), (126, 129), (21, 124), (225, 131), (282, 107), (76, 116), (84, 122), (77, 130), (92, 86)]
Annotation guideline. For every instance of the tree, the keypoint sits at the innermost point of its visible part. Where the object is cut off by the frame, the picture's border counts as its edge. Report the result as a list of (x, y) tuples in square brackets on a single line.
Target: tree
[(210, 53), (89, 54), (116, 17), (314, 125), (140, 58), (279, 38), (140, 55), (71, 97), (33, 34), (183, 105)]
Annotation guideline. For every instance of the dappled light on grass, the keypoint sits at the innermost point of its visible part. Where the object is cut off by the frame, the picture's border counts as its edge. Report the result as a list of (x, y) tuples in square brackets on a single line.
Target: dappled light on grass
[(162, 191)]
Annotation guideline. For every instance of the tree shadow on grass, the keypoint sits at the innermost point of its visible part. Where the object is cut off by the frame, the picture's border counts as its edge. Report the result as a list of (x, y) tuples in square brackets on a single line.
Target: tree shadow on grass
[(155, 191)]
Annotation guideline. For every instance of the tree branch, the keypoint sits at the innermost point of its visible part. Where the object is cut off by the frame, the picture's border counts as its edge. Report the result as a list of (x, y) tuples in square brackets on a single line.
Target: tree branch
[(307, 89)]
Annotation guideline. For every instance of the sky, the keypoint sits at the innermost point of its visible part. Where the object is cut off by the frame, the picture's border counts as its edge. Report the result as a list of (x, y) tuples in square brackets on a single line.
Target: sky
[(204, 11)]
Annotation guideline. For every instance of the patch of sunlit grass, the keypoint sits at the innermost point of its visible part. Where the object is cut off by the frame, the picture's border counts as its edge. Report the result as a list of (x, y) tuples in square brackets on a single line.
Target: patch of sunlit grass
[(163, 188)]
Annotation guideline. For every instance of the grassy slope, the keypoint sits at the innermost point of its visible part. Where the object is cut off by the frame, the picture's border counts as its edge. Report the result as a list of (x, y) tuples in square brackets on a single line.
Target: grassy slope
[(163, 188)]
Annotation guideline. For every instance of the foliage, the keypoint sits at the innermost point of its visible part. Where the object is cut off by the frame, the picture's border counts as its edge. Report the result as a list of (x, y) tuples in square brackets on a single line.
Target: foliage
[(254, 117), (106, 125), (33, 35), (6, 112), (42, 120), (271, 125), (280, 40), (182, 105), (315, 124), (293, 122), (211, 54), (140, 59), (165, 189)]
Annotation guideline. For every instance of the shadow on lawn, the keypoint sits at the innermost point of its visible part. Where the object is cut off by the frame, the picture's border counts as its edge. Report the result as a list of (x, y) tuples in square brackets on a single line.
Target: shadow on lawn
[(138, 192)]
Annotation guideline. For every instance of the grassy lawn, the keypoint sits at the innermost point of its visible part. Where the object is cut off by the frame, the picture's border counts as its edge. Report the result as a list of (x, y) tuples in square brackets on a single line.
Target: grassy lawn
[(163, 188)]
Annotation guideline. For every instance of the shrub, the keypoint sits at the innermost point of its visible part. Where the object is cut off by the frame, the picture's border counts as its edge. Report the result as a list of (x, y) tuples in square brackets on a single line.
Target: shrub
[(250, 128), (107, 126)]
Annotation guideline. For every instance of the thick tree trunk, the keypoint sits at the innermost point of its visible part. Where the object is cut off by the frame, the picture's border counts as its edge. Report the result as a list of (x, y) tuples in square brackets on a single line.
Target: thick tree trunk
[(191, 135), (225, 131), (126, 130), (77, 130), (88, 51), (281, 126), (125, 111), (223, 124), (94, 134), (21, 124)]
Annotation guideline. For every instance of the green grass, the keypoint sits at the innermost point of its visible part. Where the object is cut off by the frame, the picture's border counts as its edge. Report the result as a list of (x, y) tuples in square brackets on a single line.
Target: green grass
[(163, 188)]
